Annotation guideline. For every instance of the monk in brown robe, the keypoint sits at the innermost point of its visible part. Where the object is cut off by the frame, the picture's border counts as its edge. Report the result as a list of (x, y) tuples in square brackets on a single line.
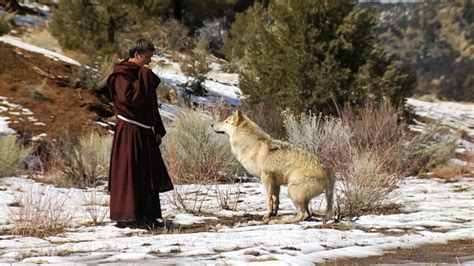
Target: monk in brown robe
[(137, 171)]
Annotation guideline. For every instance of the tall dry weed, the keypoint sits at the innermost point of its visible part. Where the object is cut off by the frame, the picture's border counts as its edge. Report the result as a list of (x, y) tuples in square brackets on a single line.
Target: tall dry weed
[(12, 155), (81, 162), (97, 207), (40, 212), (189, 198)]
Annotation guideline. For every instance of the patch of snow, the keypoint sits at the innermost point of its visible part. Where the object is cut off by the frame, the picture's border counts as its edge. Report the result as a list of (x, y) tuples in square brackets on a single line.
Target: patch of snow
[(20, 44)]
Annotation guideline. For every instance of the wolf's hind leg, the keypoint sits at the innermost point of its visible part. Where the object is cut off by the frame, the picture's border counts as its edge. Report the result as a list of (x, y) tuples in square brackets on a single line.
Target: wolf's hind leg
[(301, 202)]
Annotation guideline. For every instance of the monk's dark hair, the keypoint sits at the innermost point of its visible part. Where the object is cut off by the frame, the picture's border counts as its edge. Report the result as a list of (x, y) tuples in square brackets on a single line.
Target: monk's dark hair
[(141, 46)]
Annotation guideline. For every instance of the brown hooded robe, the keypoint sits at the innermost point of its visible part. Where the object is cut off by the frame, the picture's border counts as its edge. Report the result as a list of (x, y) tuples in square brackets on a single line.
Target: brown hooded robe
[(137, 171)]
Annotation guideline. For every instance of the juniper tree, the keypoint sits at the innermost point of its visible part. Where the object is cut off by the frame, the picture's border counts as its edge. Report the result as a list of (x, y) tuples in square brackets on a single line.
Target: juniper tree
[(316, 55)]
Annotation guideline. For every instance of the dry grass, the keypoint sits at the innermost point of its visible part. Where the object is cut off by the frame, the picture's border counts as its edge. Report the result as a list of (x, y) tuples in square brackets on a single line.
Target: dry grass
[(370, 152), (365, 187), (41, 212), (426, 151), (5, 22), (12, 155), (96, 207), (451, 171), (189, 198), (42, 38), (228, 196), (36, 92), (82, 162)]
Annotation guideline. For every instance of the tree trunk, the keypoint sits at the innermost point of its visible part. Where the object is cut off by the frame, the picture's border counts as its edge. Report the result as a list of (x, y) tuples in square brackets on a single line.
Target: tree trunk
[(178, 9), (111, 30)]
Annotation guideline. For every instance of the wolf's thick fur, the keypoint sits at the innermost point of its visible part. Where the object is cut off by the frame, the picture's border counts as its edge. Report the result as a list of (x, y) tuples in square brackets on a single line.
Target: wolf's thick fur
[(278, 163)]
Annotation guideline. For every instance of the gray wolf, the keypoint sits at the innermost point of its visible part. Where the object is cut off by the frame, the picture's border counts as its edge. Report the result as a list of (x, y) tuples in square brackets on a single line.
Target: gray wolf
[(278, 163)]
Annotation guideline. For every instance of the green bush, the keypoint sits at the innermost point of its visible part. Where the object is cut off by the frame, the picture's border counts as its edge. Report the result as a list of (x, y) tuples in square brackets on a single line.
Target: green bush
[(12, 155), (242, 32), (314, 55)]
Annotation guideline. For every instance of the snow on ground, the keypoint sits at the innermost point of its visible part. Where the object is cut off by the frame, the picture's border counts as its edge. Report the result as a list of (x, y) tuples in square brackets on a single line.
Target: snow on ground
[(13, 113), (457, 116), (435, 212), (220, 86), (56, 56)]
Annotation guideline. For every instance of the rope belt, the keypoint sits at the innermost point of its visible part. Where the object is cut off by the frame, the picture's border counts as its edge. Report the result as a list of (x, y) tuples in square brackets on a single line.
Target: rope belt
[(135, 123)]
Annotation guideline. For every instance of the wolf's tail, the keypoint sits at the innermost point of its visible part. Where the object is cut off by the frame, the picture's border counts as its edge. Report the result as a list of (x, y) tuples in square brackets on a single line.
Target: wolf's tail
[(330, 193)]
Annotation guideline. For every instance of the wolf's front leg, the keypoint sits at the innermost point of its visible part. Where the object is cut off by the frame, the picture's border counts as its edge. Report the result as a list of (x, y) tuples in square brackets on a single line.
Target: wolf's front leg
[(272, 194)]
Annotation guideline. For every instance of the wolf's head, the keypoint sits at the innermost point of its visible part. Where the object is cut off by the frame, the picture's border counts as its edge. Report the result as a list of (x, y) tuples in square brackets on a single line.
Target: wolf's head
[(229, 125)]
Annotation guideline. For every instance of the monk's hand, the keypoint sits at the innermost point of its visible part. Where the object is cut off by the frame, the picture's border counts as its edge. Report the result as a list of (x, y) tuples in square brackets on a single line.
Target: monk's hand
[(158, 138)]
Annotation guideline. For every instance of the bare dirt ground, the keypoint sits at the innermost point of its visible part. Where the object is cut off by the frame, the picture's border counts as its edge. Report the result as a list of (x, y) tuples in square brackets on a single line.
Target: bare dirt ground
[(454, 252), (45, 87)]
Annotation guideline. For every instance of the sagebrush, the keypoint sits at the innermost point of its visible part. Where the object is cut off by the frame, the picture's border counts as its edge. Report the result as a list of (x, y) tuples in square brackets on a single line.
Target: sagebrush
[(196, 154), (12, 155), (81, 162)]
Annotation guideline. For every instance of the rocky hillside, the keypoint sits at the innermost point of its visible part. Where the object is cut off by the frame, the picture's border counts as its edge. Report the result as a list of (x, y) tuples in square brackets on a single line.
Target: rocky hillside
[(40, 98)]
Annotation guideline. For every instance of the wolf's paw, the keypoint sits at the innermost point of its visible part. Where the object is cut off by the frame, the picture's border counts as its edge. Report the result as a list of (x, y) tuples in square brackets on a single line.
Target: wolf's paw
[(268, 217)]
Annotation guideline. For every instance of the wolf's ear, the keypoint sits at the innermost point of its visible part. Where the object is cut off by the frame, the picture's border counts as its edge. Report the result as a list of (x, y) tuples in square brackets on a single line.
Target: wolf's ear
[(238, 116)]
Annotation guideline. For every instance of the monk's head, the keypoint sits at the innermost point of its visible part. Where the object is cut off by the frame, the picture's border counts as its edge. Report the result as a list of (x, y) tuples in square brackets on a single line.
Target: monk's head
[(141, 52)]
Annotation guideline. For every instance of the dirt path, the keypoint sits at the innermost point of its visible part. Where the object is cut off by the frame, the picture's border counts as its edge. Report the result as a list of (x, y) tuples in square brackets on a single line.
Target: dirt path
[(455, 252)]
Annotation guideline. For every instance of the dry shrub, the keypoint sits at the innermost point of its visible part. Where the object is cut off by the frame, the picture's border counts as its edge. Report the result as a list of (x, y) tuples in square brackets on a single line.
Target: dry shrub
[(228, 196), (42, 212), (5, 19), (42, 38), (270, 118), (12, 155), (220, 110), (93, 77), (327, 137), (369, 151), (365, 186), (451, 171), (425, 151), (378, 128), (36, 92), (232, 66), (195, 154), (82, 162), (189, 198), (352, 148), (96, 207)]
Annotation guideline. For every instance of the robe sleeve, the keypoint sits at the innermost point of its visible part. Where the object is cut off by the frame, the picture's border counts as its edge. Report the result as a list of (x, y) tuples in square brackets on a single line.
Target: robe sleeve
[(151, 82)]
